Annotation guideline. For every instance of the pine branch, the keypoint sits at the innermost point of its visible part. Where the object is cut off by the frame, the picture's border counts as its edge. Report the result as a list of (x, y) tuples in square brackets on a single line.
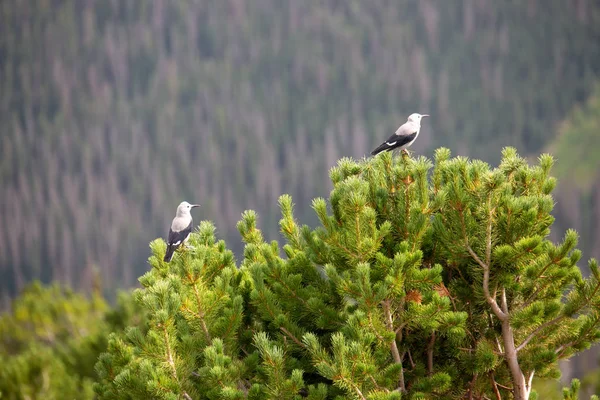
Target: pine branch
[(374, 330), (580, 337), (533, 296), (265, 302), (354, 387), (538, 330), (357, 228), (556, 320), (215, 272), (333, 242), (407, 183), (291, 336), (200, 314), (277, 278), (495, 387), (169, 355), (485, 266)]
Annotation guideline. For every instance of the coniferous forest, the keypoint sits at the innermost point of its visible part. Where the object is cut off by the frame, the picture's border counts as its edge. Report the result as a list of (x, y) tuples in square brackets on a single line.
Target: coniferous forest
[(113, 112)]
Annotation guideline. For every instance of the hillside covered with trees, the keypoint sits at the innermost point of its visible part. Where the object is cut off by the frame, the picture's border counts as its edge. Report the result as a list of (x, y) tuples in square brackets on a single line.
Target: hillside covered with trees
[(112, 112)]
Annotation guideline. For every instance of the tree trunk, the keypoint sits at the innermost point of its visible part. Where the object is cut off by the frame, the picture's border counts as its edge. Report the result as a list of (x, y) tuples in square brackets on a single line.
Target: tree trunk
[(520, 387)]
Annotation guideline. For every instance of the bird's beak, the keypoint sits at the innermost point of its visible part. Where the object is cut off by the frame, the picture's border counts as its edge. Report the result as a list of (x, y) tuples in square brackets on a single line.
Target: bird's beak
[(195, 205), (424, 115)]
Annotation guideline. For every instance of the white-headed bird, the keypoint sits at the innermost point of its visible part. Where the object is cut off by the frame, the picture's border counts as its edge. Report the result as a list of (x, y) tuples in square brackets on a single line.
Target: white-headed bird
[(181, 227), (404, 136)]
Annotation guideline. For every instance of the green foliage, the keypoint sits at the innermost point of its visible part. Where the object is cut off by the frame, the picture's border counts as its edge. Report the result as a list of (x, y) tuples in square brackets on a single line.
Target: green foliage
[(591, 381), (421, 281), (550, 390), (51, 339), (572, 392)]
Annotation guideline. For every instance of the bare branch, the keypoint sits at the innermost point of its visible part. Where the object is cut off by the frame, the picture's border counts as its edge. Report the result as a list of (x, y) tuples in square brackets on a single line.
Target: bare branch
[(504, 302), (495, 387), (504, 387), (471, 385), (430, 354), (486, 286), (476, 257), (291, 336), (394, 346), (520, 391), (412, 363)]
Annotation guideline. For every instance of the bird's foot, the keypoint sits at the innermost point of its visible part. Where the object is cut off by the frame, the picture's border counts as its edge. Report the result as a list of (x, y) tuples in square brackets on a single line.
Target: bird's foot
[(405, 153)]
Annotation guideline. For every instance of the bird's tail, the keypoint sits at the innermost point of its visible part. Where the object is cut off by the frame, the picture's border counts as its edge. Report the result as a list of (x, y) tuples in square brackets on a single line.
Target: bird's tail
[(379, 149), (169, 253)]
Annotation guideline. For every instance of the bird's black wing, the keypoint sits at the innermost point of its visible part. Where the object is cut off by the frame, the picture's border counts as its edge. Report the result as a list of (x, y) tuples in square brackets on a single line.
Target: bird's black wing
[(176, 238), (394, 142)]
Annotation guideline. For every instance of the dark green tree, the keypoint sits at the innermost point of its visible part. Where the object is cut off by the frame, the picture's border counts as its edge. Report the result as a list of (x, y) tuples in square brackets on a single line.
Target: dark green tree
[(51, 339), (572, 392), (422, 281), (104, 104), (579, 171)]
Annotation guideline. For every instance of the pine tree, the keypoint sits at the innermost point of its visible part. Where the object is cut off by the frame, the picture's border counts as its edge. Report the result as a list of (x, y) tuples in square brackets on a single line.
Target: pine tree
[(572, 392), (421, 282)]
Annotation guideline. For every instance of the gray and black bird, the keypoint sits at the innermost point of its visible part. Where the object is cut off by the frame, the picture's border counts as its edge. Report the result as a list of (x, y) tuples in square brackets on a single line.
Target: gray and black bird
[(404, 136), (181, 227)]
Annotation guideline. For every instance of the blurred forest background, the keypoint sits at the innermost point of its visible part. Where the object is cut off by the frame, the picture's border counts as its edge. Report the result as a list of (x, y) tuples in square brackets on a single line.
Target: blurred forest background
[(112, 112)]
